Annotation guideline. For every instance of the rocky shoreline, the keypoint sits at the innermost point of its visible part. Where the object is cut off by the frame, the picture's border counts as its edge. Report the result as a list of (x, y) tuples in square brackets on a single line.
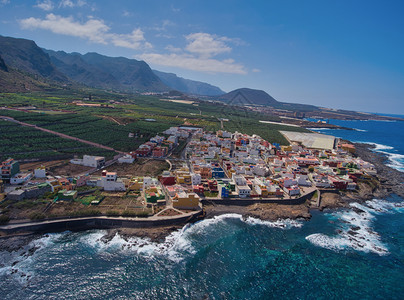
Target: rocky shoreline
[(389, 181)]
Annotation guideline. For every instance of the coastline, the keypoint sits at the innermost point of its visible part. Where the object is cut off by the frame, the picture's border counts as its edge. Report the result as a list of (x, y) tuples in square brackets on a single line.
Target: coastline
[(389, 181)]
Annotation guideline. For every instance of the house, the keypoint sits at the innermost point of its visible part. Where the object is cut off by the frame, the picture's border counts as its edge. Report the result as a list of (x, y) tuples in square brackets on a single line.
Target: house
[(196, 178), (183, 200), (292, 190), (159, 151), (153, 194), (93, 161), (167, 179), (16, 195), (224, 191), (66, 184), (136, 184), (90, 161), (303, 180), (126, 159), (239, 179), (9, 168), (40, 172), (55, 185), (243, 191), (20, 178), (65, 195), (110, 182), (37, 190)]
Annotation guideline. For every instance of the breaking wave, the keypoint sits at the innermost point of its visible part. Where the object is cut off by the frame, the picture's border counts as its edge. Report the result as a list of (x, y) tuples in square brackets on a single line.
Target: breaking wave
[(396, 161), (356, 232), (19, 264), (180, 243)]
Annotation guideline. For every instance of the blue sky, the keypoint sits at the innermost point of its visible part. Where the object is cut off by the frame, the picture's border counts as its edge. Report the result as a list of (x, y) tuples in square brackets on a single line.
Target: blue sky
[(338, 54)]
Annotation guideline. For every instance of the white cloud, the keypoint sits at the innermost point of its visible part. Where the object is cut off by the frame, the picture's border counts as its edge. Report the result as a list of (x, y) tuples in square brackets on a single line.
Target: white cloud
[(134, 40), (71, 4), (256, 70), (46, 5), (94, 30), (164, 25), (198, 55), (126, 13), (189, 62), (4, 2), (206, 45), (171, 48)]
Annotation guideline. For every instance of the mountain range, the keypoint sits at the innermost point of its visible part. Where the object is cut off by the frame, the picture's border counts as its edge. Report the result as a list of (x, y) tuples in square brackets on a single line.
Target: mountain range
[(25, 66)]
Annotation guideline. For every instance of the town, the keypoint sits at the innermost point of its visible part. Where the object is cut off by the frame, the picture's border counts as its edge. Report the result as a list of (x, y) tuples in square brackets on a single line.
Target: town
[(207, 167)]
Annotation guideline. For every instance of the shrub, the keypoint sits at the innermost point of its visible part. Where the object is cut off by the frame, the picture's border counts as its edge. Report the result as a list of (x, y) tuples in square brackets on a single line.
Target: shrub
[(37, 216), (4, 219), (112, 213)]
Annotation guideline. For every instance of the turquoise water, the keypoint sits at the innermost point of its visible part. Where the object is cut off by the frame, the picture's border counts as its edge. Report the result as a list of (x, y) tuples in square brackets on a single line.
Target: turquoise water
[(344, 254)]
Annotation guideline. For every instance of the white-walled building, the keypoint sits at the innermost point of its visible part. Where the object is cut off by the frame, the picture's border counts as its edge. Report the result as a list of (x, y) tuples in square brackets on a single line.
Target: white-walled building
[(40, 172), (127, 159), (243, 191), (110, 182), (196, 178), (90, 161)]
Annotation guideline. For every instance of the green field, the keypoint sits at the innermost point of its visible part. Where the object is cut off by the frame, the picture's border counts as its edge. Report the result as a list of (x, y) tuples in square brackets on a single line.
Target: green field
[(22, 142), (110, 126)]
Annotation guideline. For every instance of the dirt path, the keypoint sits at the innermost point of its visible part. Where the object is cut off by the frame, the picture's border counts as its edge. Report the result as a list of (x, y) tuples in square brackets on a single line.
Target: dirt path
[(60, 134)]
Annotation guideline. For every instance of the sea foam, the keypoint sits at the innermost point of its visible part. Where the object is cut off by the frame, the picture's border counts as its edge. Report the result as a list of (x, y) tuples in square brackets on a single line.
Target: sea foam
[(180, 243), (358, 235)]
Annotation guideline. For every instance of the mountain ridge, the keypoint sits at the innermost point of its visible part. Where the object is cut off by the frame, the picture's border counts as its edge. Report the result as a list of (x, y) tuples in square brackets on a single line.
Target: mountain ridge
[(187, 85)]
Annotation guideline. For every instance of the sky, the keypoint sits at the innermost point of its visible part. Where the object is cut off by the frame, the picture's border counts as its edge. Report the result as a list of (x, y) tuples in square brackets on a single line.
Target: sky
[(345, 54)]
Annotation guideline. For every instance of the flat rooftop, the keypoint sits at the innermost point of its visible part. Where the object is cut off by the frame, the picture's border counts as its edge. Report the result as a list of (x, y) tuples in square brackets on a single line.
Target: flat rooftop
[(310, 140)]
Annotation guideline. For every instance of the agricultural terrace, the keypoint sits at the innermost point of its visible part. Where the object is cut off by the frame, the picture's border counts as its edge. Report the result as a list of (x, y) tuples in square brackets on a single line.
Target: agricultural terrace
[(118, 115)]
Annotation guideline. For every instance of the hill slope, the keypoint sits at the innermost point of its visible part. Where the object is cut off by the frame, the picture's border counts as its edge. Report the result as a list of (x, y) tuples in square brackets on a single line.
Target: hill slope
[(101, 71), (25, 56), (188, 86), (245, 96)]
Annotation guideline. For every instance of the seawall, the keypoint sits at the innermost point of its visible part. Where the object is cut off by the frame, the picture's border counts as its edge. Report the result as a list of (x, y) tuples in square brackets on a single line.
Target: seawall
[(97, 222)]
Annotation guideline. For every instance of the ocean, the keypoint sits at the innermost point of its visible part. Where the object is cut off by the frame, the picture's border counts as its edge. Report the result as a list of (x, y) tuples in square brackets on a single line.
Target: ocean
[(355, 253)]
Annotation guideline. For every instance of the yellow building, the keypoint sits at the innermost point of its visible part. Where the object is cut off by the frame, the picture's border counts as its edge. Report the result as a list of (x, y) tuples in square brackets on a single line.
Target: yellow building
[(183, 177), (184, 200), (135, 184), (286, 148), (56, 185)]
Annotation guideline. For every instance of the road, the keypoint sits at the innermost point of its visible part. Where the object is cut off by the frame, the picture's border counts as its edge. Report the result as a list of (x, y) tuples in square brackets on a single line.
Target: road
[(62, 135)]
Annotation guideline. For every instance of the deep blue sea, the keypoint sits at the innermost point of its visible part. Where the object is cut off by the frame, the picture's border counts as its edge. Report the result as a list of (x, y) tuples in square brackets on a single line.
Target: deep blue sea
[(344, 254)]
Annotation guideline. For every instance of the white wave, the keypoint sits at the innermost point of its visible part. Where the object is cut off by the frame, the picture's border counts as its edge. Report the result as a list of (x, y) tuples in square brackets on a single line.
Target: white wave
[(361, 130), (396, 160), (379, 147), (283, 224), (384, 206), (321, 128), (179, 243), (359, 235), (19, 263)]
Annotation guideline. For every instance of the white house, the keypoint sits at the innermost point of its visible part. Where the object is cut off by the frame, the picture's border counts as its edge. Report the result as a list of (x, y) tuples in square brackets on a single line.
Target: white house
[(90, 161), (127, 159), (196, 178), (303, 180), (243, 191), (40, 172), (20, 178), (239, 179), (110, 182), (292, 190)]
